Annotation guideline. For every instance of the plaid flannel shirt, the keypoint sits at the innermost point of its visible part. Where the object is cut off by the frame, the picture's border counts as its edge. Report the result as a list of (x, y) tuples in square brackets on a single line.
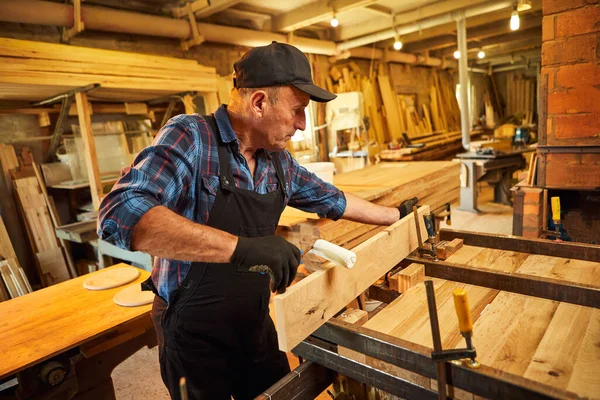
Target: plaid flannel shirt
[(180, 171)]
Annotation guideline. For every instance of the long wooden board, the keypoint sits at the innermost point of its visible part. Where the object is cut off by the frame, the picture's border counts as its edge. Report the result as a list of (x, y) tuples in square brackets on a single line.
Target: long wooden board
[(311, 302)]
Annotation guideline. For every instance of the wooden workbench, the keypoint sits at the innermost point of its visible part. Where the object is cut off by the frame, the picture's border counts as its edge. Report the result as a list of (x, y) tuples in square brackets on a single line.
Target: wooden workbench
[(84, 331), (434, 183), (545, 341)]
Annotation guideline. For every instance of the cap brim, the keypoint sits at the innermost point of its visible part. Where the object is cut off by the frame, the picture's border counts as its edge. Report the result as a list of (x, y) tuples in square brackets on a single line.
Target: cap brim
[(316, 93)]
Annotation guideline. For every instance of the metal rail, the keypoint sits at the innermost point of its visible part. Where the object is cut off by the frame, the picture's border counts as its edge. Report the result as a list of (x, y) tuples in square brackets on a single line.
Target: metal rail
[(484, 381), (578, 251)]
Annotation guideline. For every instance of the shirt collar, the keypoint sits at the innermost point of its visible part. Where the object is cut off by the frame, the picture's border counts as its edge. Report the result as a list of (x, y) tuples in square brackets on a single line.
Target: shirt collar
[(226, 130), (224, 124)]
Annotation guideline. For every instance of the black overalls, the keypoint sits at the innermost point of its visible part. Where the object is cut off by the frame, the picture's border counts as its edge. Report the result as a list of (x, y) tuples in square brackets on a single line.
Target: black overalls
[(217, 331)]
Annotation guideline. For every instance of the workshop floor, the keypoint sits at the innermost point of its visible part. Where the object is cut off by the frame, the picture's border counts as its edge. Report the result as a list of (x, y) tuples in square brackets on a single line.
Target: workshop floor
[(139, 376)]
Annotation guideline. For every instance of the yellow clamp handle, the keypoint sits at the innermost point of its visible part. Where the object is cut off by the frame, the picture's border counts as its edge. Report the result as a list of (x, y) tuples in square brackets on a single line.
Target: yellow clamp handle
[(461, 305), (555, 208)]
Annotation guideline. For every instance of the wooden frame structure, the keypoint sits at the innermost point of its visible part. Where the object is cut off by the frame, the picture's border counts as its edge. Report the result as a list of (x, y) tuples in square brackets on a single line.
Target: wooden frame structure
[(34, 71), (363, 352)]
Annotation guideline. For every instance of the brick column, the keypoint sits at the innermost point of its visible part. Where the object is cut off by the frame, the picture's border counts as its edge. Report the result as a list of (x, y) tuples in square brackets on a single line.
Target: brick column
[(571, 65)]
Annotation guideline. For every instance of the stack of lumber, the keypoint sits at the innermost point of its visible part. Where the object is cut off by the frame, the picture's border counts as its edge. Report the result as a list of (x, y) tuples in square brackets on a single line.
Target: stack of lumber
[(35, 70), (52, 267), (349, 79), (13, 282), (520, 94), (545, 341), (388, 184), (435, 147)]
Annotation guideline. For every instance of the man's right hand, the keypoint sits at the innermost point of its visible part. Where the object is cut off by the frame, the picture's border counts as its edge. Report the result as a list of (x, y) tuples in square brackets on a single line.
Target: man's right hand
[(275, 252)]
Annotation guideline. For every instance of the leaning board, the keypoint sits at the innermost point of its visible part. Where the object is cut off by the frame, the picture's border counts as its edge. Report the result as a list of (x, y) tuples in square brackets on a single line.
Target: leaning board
[(307, 305)]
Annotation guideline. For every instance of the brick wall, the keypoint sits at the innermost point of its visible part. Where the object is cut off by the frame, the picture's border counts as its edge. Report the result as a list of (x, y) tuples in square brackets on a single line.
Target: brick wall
[(570, 92), (570, 59)]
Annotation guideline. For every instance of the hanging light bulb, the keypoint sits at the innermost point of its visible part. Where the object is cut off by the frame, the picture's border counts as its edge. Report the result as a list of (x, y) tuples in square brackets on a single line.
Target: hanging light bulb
[(514, 20), (457, 54), (481, 54), (397, 43), (334, 21)]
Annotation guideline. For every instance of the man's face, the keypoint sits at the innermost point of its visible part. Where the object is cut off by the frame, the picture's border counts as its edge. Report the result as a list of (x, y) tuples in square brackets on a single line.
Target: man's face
[(281, 120)]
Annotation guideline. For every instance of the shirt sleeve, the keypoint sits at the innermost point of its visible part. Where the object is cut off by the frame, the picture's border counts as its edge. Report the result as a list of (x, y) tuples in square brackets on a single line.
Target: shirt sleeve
[(162, 174), (311, 194)]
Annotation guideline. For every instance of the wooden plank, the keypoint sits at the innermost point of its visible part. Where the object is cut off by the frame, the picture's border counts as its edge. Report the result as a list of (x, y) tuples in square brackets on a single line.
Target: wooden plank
[(55, 221), (308, 304), (557, 353), (33, 49), (80, 232), (89, 146), (407, 278), (585, 379), (56, 173), (391, 107), (579, 251), (58, 318), (53, 266), (507, 334), (6, 248), (445, 249)]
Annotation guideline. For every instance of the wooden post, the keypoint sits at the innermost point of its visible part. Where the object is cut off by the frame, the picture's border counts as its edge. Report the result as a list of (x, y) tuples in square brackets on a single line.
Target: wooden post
[(188, 103), (91, 160), (211, 102)]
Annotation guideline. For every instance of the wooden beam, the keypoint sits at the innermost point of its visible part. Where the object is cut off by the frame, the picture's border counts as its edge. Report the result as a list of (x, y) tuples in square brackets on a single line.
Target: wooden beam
[(349, 31), (89, 146), (204, 8), (310, 303), (314, 12)]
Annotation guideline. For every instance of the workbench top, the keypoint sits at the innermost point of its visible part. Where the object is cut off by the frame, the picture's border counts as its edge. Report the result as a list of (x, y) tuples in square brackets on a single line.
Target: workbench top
[(376, 181), (545, 341), (47, 322)]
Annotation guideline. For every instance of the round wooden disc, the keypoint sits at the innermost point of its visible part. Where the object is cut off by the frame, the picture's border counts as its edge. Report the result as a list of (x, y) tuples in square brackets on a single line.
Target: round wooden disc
[(133, 296), (111, 279)]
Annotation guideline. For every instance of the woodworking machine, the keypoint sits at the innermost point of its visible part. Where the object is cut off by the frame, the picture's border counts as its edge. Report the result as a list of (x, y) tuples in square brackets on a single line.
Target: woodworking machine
[(321, 359)]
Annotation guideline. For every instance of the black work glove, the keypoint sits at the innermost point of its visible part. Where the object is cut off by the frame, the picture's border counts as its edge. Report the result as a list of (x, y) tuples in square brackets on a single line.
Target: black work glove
[(407, 206), (274, 252)]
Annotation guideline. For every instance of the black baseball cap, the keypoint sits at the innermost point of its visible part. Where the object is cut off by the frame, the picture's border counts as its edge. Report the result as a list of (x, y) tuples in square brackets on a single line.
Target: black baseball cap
[(275, 65)]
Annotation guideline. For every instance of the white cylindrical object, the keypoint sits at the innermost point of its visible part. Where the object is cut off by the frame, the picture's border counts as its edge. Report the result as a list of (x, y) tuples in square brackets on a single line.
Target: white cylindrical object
[(334, 253)]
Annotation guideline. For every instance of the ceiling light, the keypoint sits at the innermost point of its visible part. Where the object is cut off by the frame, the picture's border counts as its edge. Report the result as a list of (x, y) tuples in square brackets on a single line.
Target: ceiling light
[(481, 54), (397, 44), (334, 21), (514, 20), (523, 5), (457, 54)]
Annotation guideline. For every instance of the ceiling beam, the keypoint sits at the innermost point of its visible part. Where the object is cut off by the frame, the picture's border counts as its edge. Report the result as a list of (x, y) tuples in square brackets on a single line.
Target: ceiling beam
[(502, 17), (380, 10), (204, 8), (477, 33), (314, 12), (533, 35), (345, 32), (428, 23), (514, 57), (510, 49)]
